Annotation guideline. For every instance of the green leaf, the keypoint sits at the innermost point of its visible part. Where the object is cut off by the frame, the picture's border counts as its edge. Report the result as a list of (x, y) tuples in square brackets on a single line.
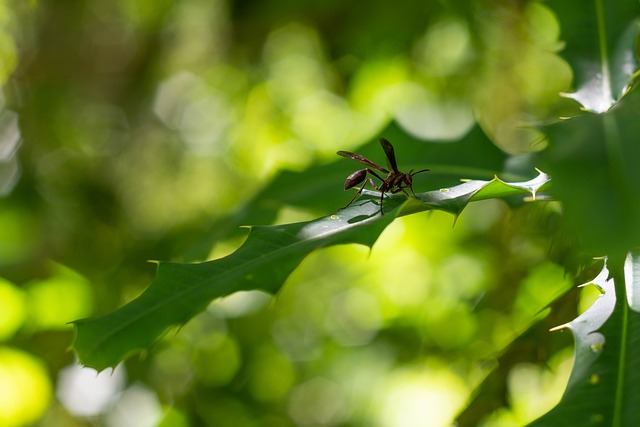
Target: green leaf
[(594, 162), (600, 40), (604, 386), (319, 188), (180, 291), (263, 262)]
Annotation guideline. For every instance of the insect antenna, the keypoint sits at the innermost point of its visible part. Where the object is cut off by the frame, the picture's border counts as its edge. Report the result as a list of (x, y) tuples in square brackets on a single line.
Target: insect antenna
[(412, 173)]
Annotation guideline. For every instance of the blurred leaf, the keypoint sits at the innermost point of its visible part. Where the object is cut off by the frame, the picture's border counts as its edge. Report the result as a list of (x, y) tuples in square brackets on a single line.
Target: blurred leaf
[(57, 300), (594, 162), (600, 41), (12, 307), (604, 387), (533, 345), (263, 262)]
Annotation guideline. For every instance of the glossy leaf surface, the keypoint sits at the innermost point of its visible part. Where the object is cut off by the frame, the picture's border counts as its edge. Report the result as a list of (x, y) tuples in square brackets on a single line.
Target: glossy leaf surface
[(600, 46), (604, 387), (594, 160), (263, 262)]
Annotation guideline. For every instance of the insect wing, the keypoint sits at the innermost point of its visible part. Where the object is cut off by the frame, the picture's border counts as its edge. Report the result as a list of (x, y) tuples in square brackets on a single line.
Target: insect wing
[(362, 159), (391, 155)]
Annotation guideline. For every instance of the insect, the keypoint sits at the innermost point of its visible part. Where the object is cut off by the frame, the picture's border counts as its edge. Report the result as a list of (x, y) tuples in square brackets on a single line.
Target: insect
[(395, 181)]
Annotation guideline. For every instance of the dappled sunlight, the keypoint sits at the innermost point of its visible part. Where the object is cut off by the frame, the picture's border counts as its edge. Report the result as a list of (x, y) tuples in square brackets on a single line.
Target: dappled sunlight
[(200, 112), (445, 48), (58, 300), (216, 359), (449, 325), (25, 388), (271, 374), (588, 295), (197, 36), (544, 283), (318, 401), (142, 130), (312, 113), (353, 317), (295, 49), (98, 130), (12, 307), (137, 406), (419, 396), (8, 42), (403, 279), (18, 234), (171, 371), (533, 390), (87, 393), (310, 100), (10, 139), (464, 276), (105, 396), (513, 61), (425, 115)]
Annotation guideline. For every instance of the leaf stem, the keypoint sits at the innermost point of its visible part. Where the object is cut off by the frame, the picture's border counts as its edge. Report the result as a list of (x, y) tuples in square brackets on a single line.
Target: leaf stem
[(617, 270), (604, 51)]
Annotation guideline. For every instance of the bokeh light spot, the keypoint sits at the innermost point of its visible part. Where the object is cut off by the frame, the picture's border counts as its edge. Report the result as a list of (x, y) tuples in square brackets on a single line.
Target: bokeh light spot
[(421, 397), (354, 317), (19, 233), (55, 301), (137, 406), (25, 388), (85, 392), (12, 309), (271, 374), (216, 359), (317, 401)]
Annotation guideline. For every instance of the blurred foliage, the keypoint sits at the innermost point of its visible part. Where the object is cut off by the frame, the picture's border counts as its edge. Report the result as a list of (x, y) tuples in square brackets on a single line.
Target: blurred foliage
[(137, 130)]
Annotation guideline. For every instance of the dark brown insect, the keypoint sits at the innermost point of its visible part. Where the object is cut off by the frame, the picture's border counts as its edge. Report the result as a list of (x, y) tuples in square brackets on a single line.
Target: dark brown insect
[(395, 181)]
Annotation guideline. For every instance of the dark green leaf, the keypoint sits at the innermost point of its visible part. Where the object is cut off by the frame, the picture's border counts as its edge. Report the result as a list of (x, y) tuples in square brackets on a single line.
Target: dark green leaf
[(264, 261), (594, 161), (604, 387), (319, 187), (600, 46)]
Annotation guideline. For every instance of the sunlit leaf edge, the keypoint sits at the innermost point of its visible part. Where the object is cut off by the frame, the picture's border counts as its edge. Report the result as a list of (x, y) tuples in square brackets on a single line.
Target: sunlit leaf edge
[(601, 48), (604, 384)]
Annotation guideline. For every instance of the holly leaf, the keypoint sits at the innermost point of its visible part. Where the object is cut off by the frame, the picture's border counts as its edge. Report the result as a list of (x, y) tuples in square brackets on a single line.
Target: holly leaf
[(594, 159), (473, 156), (263, 262), (600, 39), (604, 386)]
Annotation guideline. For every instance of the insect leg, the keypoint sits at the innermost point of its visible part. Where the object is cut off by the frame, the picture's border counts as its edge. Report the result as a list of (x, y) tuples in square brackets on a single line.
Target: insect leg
[(370, 181), (355, 196)]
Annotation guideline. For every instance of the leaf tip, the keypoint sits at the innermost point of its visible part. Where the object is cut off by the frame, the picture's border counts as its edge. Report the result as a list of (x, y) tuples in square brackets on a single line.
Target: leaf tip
[(455, 219), (560, 327)]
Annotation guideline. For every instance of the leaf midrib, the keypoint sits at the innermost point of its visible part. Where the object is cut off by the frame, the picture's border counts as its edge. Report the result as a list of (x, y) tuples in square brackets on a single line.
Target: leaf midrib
[(201, 283)]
